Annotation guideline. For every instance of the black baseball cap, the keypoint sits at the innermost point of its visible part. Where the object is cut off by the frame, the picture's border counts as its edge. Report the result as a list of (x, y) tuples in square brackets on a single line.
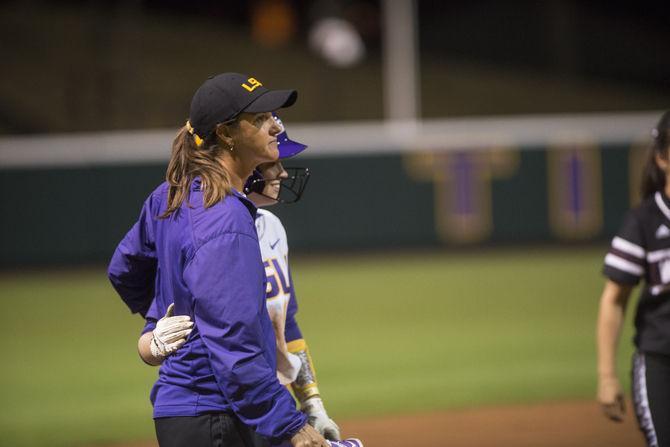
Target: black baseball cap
[(223, 97)]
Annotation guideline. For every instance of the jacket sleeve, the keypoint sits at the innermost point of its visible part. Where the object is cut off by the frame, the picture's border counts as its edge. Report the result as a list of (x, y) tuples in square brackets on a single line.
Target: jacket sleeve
[(226, 279), (132, 269), (151, 318)]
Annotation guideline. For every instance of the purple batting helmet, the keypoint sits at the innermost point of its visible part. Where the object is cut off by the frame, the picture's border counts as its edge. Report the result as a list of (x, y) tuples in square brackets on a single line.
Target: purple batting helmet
[(287, 147)]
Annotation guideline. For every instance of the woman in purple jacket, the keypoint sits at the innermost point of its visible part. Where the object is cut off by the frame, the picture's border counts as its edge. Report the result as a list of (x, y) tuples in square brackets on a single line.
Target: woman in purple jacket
[(195, 244)]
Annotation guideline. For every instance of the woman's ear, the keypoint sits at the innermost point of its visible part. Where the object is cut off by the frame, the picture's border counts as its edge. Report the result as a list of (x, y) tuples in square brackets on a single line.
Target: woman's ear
[(224, 134), (662, 162)]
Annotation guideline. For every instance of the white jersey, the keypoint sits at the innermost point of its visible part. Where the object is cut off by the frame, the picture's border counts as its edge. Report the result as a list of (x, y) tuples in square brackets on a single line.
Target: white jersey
[(274, 251)]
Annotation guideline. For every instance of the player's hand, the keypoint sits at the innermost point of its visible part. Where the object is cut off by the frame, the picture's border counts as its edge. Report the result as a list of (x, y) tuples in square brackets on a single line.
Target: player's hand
[(170, 333), (611, 398), (308, 437), (318, 418)]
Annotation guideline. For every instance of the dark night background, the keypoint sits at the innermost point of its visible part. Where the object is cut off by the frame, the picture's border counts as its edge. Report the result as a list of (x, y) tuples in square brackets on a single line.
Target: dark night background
[(98, 65)]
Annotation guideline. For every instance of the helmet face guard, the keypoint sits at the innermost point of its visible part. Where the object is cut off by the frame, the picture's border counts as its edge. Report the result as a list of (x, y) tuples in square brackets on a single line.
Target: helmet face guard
[(290, 188)]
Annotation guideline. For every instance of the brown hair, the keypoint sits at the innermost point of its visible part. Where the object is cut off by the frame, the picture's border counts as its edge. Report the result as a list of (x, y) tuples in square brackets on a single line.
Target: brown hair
[(189, 161), (653, 178)]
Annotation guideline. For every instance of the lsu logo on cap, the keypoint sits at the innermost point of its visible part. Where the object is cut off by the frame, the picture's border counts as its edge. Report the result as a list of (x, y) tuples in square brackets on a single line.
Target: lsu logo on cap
[(254, 84)]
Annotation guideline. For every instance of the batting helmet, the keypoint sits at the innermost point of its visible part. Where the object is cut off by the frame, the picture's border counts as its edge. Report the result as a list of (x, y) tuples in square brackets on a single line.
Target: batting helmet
[(294, 185)]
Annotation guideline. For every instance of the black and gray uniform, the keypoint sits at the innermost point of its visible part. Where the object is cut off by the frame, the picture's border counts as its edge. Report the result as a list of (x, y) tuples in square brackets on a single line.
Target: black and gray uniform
[(641, 250)]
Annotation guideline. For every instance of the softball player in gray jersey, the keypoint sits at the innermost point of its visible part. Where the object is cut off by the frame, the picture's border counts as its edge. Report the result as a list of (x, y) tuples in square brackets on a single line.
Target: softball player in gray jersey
[(641, 250), (269, 184)]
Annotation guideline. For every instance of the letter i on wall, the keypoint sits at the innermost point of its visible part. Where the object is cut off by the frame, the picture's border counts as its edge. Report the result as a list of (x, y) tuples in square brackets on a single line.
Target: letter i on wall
[(463, 182), (575, 188)]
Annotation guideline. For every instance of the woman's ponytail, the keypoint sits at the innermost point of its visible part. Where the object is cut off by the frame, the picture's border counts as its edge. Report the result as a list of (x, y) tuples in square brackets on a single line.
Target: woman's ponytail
[(190, 160)]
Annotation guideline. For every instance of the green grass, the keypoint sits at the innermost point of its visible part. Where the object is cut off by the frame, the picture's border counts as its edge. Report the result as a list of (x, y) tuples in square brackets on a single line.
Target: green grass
[(389, 334)]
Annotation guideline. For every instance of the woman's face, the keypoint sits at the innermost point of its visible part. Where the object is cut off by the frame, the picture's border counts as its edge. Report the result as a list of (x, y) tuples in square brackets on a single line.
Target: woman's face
[(255, 136), (273, 173)]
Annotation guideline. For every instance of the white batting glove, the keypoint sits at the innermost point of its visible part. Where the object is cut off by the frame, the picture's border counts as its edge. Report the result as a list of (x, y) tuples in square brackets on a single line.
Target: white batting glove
[(170, 333), (318, 418)]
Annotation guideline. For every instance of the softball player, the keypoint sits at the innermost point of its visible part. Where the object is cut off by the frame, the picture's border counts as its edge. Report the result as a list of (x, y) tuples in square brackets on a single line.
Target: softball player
[(641, 250), (195, 245), (269, 184)]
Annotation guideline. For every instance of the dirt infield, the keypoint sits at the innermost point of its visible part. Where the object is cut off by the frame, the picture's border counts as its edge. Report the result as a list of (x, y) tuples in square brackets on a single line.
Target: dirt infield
[(568, 424)]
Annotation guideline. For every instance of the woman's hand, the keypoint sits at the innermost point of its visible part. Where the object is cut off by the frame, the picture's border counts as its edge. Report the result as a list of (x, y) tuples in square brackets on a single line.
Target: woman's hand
[(170, 333), (308, 437), (610, 398)]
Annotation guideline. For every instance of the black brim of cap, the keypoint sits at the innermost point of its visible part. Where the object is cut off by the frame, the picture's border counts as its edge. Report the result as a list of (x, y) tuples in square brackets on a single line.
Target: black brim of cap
[(272, 100)]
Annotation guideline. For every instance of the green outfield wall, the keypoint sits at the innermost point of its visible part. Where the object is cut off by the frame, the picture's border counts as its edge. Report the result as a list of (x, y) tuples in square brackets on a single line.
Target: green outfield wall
[(418, 199)]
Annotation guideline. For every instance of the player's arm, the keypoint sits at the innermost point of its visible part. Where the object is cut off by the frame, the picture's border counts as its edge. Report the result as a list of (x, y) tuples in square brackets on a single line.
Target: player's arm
[(305, 387), (144, 350), (625, 265), (613, 302), (306, 390)]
